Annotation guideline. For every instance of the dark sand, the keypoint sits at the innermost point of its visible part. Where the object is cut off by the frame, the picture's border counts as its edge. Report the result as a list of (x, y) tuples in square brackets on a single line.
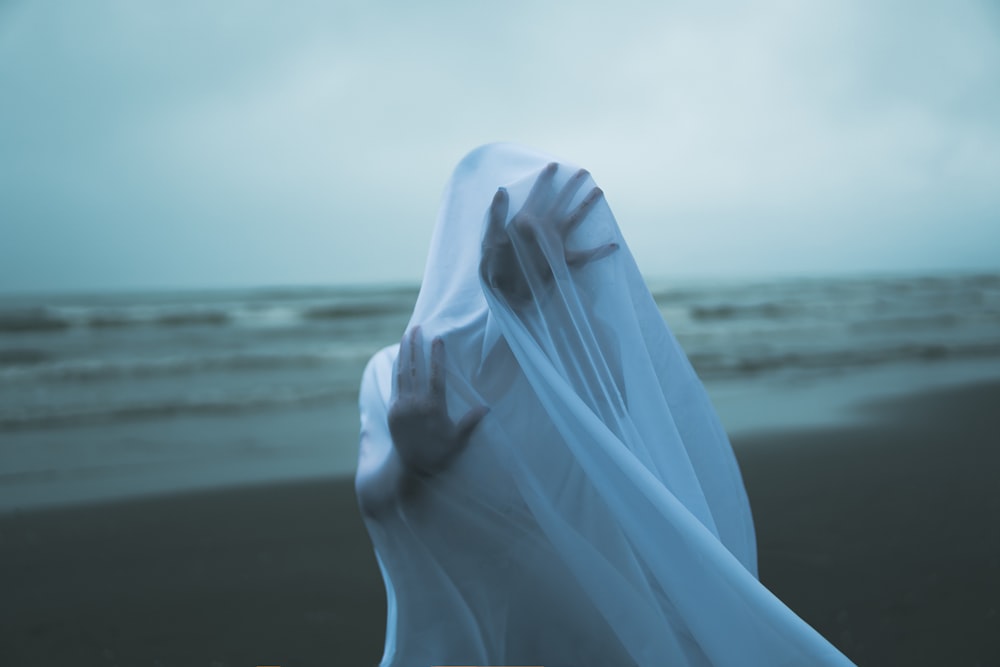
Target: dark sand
[(886, 538)]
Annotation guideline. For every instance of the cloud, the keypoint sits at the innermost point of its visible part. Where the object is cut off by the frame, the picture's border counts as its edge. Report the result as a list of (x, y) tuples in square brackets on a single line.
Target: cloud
[(249, 143)]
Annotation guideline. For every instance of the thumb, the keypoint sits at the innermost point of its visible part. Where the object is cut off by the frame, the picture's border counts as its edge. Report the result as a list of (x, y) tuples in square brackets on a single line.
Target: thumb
[(577, 258), (468, 423)]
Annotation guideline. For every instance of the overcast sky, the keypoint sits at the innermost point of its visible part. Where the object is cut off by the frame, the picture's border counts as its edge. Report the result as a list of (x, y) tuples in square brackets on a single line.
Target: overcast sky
[(231, 143)]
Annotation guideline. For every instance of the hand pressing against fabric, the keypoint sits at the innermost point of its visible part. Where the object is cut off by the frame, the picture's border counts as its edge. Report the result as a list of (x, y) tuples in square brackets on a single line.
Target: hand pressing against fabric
[(424, 436), (545, 220), (425, 441)]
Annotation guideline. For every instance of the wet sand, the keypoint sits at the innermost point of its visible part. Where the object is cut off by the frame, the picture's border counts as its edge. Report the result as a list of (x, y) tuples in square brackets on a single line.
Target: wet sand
[(885, 537)]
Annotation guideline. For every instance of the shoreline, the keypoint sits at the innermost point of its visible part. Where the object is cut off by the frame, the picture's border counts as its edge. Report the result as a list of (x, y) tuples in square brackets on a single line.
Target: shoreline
[(884, 535), (121, 462)]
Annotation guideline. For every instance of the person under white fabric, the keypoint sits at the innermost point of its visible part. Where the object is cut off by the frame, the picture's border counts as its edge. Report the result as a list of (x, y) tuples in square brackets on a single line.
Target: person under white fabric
[(542, 475)]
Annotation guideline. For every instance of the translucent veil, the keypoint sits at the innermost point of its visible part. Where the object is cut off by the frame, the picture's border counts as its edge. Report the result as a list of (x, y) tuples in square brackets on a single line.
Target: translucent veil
[(597, 515)]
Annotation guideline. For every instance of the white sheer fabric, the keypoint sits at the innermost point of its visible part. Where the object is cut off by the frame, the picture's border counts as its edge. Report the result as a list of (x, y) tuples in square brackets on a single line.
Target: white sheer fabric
[(597, 515)]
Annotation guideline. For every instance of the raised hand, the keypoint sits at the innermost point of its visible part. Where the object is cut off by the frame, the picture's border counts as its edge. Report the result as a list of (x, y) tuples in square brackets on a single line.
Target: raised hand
[(425, 437), (546, 217)]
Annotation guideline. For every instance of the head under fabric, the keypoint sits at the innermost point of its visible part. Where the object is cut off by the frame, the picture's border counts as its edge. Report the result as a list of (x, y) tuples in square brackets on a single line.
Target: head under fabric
[(597, 516)]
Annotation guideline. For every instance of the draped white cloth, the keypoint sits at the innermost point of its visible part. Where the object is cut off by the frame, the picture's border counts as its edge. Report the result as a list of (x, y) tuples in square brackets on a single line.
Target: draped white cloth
[(597, 515)]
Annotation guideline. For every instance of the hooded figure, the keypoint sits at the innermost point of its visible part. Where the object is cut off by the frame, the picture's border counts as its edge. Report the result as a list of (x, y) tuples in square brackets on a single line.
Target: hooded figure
[(541, 472)]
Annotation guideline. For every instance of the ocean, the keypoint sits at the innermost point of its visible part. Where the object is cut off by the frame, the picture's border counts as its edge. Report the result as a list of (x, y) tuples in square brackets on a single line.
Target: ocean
[(116, 394)]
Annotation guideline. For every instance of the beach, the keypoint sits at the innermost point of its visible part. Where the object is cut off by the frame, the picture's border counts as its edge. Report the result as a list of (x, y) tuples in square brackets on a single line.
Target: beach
[(882, 533)]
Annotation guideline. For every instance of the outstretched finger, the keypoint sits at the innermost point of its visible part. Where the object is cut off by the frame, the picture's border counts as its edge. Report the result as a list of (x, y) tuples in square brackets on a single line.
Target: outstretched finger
[(577, 258), (569, 190), (581, 211), (467, 424), (417, 364), (437, 369), (542, 189), (497, 219), (403, 382)]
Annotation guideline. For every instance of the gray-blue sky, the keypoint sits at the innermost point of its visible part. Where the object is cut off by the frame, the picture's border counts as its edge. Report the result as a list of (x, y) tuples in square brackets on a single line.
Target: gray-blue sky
[(199, 144)]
